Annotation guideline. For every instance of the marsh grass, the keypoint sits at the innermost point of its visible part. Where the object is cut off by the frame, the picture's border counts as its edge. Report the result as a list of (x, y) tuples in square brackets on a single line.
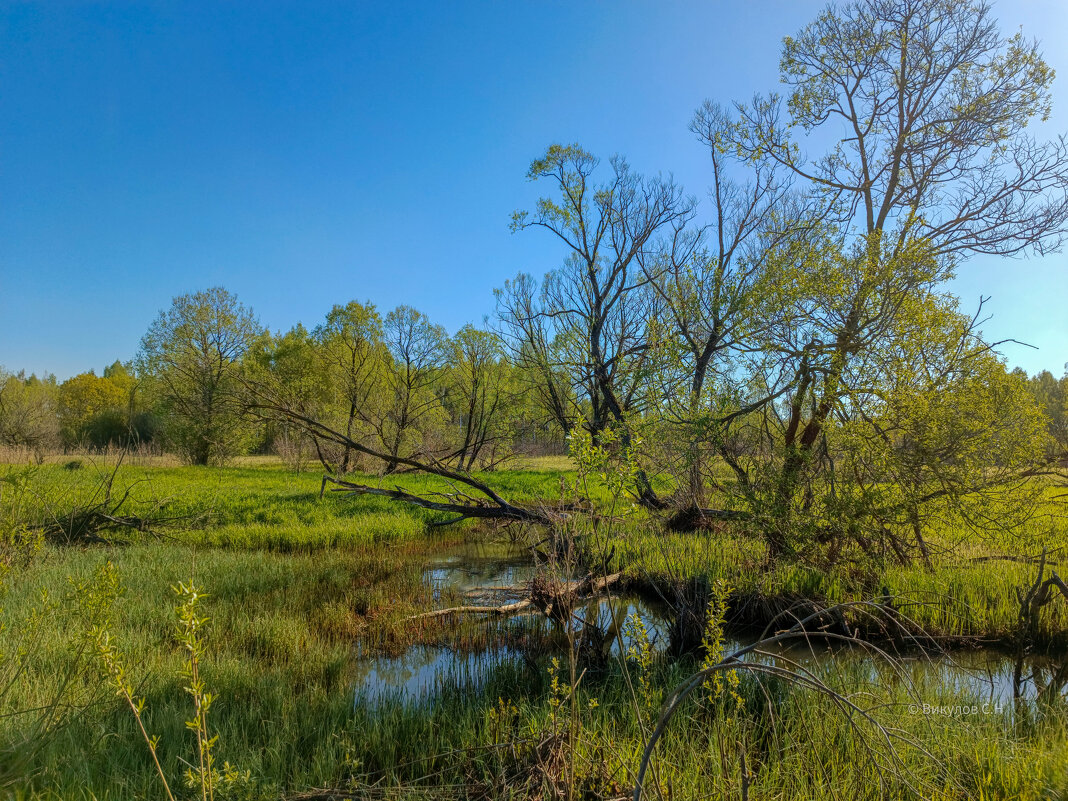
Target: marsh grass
[(295, 582)]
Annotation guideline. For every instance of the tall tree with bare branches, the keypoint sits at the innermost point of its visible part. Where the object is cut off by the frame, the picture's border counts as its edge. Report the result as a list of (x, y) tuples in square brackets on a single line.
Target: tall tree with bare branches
[(598, 308)]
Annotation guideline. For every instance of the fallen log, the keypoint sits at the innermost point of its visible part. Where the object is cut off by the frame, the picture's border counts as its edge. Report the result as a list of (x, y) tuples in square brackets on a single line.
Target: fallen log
[(554, 602), (506, 609), (464, 506)]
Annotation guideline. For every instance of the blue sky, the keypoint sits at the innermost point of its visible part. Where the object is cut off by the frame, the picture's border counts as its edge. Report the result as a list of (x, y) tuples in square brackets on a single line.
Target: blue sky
[(308, 154)]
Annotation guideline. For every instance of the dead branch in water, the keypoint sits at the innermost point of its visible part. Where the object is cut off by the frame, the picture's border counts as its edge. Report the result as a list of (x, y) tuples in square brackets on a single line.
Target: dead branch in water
[(547, 599)]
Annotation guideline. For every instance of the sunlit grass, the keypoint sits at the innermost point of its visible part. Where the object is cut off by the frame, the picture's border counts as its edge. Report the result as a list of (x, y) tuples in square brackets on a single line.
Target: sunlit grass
[(295, 583)]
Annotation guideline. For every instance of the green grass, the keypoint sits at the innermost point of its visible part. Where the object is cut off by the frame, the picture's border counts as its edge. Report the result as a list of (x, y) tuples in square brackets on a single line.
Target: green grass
[(970, 592), (295, 582), (268, 507), (281, 639)]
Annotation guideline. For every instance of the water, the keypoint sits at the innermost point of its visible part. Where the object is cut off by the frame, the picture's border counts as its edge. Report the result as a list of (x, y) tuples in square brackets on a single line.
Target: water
[(493, 574), (422, 671), (982, 680), (481, 571)]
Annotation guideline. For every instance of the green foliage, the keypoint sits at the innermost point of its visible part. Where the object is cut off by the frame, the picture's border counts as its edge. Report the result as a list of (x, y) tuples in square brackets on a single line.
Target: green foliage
[(284, 617), (97, 412), (19, 542), (192, 354), (1051, 395), (800, 364), (480, 391), (355, 359), (289, 367), (28, 412)]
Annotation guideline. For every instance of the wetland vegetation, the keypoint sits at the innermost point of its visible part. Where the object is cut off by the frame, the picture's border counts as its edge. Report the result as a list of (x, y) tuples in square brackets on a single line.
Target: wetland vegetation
[(737, 502), (326, 680)]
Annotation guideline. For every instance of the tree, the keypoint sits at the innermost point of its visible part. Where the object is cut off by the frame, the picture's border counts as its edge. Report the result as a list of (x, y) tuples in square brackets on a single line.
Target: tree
[(1052, 397), (95, 410), (712, 283), (478, 392), (418, 351), (290, 367), (28, 416), (354, 354), (525, 331), (597, 308), (933, 165), (193, 352), (929, 104)]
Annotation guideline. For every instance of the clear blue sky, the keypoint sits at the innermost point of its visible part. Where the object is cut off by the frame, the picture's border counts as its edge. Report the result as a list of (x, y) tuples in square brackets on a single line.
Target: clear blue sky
[(307, 154)]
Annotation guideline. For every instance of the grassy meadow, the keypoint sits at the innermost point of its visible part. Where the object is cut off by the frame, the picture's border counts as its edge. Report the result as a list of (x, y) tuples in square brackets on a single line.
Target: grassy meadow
[(299, 589)]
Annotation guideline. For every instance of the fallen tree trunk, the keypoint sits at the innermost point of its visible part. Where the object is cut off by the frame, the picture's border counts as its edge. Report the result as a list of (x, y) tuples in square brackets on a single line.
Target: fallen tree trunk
[(459, 504), (490, 506), (494, 611), (694, 518), (554, 602)]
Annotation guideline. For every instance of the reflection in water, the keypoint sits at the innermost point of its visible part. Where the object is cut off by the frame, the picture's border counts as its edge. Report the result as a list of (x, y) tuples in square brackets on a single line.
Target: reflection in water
[(423, 670), (491, 574), (965, 677), (488, 569)]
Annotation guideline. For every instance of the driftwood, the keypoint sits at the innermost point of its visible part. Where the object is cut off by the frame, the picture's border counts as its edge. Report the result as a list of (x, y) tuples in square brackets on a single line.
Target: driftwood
[(553, 600), (493, 611)]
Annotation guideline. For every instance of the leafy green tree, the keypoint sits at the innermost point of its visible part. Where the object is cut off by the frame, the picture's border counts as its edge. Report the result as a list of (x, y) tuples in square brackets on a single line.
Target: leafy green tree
[(28, 417), (290, 368), (355, 360), (192, 352), (928, 105), (1051, 395), (941, 430), (95, 410), (479, 390)]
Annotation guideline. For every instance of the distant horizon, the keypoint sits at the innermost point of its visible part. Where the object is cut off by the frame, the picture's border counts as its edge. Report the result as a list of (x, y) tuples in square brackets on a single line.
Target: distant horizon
[(302, 160)]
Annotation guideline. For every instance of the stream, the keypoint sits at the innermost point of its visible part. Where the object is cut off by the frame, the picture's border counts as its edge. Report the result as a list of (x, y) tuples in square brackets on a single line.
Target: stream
[(492, 574)]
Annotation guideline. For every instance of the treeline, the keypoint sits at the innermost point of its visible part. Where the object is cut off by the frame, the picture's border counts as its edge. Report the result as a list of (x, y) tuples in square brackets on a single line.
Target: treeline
[(86, 412), (397, 382)]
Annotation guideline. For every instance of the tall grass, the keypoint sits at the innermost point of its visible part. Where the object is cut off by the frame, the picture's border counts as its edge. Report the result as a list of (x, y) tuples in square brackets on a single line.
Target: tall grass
[(295, 582)]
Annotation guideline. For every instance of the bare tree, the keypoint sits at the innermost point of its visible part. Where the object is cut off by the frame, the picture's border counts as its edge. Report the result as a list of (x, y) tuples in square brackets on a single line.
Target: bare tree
[(712, 285), (597, 309), (418, 349), (526, 332)]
